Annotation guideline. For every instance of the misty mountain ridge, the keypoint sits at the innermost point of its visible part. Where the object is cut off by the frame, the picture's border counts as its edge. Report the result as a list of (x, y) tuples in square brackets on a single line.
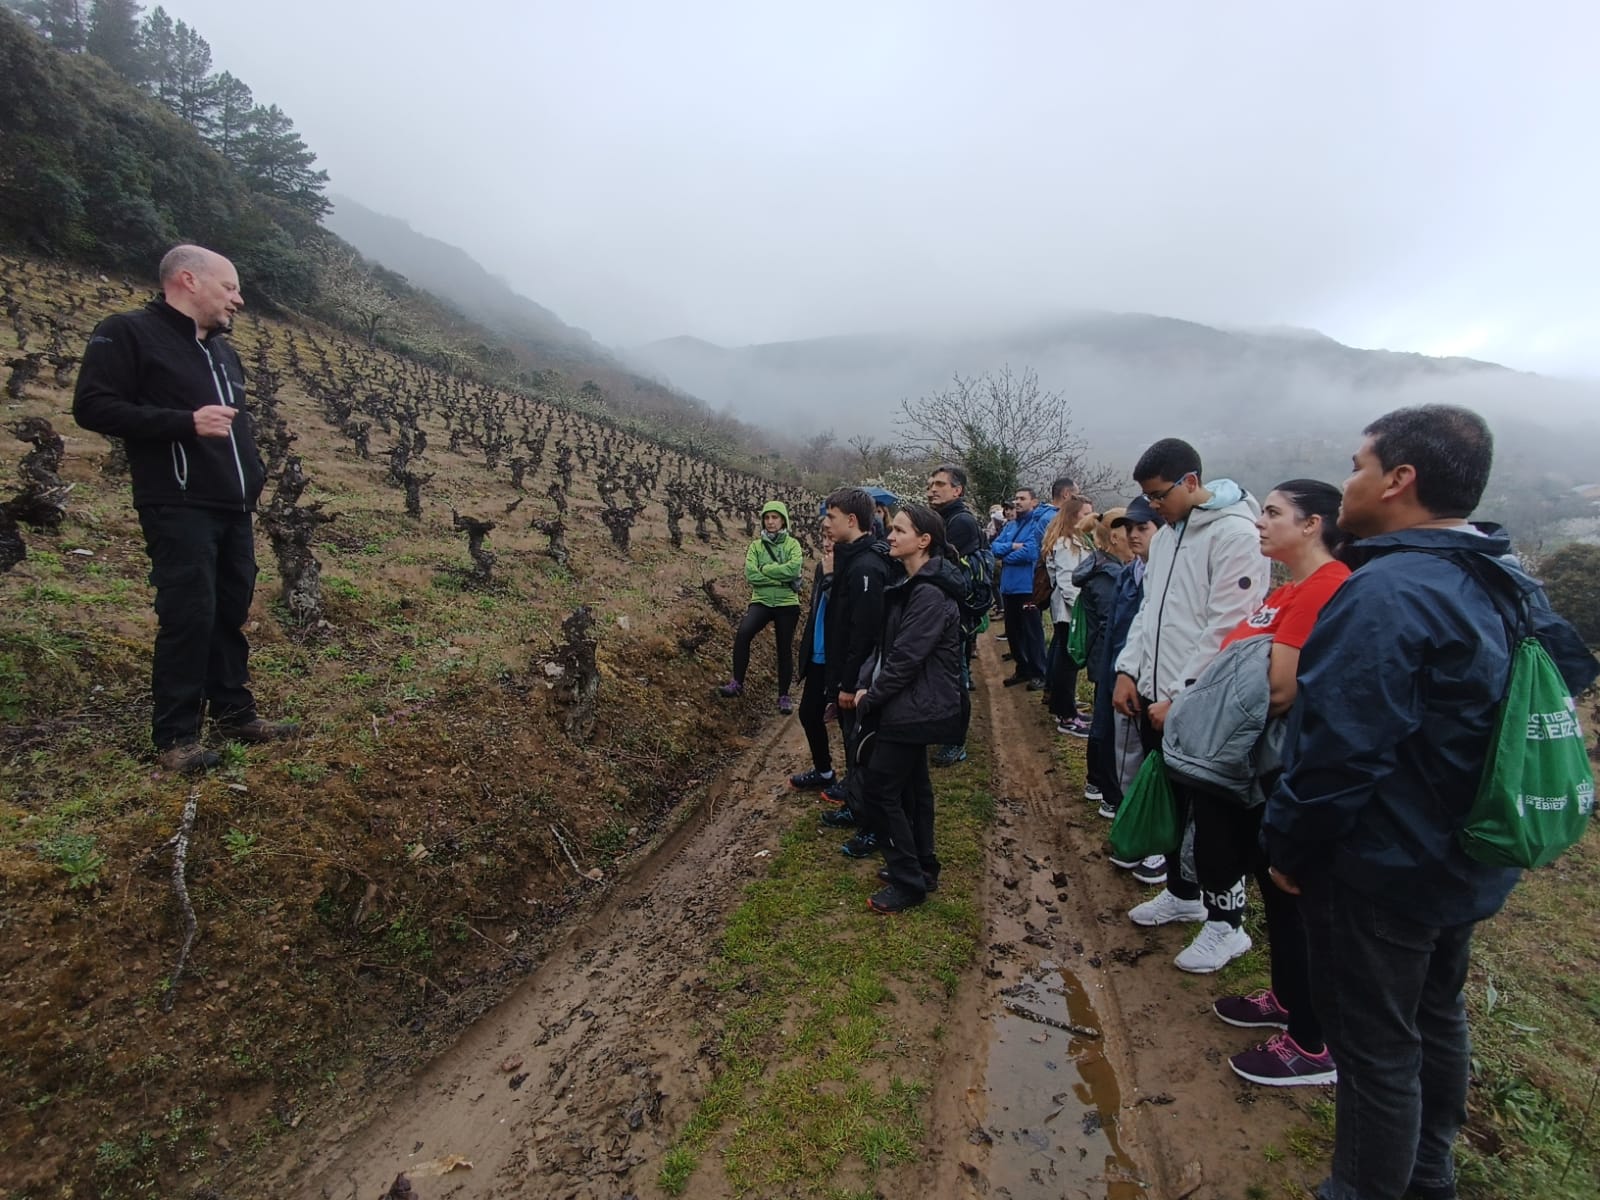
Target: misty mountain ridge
[(454, 275)]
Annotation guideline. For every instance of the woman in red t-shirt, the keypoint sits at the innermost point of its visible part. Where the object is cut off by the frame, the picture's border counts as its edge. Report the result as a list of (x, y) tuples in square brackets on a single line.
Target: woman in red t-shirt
[(1299, 528)]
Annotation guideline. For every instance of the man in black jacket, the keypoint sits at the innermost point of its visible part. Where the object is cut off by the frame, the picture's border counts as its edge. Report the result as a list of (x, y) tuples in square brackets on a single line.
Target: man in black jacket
[(853, 622), (947, 491), (165, 381)]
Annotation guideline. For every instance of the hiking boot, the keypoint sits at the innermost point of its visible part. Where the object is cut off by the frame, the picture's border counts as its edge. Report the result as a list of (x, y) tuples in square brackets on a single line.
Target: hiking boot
[(893, 900), (948, 756), (1013, 680), (1165, 908), (931, 882), (810, 781), (1214, 947), (1258, 1010), (863, 845), (255, 730), (729, 690), (1037, 685), (839, 818), (1152, 870), (189, 758), (835, 792), (785, 705), (1280, 1062), (1007, 657)]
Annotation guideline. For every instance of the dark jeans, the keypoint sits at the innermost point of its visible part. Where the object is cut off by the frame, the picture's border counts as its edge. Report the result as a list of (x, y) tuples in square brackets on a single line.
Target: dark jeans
[(813, 702), (1025, 634), (1227, 847), (1389, 993), (1062, 674), (203, 567), (897, 796), (756, 618)]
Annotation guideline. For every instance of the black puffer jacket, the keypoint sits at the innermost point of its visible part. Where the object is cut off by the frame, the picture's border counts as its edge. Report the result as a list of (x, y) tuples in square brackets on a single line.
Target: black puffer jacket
[(914, 691), (144, 374)]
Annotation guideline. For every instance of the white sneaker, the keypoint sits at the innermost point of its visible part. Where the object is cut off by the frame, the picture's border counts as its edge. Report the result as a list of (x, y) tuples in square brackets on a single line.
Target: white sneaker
[(1167, 908), (1214, 947), (1093, 794)]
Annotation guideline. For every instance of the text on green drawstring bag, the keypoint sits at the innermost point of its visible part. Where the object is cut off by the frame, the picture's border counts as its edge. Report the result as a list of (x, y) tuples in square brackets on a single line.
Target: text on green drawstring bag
[(1537, 791)]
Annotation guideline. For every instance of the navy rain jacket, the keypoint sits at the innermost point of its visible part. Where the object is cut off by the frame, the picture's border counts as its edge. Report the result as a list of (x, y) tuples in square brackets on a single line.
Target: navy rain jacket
[(1399, 686)]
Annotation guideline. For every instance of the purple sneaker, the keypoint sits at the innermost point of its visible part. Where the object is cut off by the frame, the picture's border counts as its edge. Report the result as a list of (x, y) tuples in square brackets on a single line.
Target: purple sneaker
[(730, 689), (1280, 1062), (1258, 1010), (785, 705)]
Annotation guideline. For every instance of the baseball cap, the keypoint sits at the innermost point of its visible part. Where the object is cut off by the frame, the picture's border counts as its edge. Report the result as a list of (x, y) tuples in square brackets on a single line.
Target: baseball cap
[(1138, 513)]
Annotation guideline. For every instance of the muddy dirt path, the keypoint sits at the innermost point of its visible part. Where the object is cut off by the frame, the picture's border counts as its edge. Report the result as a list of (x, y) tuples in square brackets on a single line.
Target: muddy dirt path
[(1077, 1063), (582, 1074), (1088, 1065)]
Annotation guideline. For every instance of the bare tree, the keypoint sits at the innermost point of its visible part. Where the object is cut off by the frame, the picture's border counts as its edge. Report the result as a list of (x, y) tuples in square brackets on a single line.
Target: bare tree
[(1007, 432)]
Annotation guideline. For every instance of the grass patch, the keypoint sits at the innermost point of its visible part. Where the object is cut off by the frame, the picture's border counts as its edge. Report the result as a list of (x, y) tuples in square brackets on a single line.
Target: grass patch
[(815, 1092)]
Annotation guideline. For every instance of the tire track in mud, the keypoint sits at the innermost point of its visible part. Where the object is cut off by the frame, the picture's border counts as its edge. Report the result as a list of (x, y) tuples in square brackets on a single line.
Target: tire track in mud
[(1035, 1106), (585, 1072)]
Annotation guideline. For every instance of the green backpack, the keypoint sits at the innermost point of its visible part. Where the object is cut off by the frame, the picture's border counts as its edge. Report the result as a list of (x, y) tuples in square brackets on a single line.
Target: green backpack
[(1537, 791)]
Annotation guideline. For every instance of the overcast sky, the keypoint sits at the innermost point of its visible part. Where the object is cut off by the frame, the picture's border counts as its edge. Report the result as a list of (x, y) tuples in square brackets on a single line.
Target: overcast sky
[(1402, 174)]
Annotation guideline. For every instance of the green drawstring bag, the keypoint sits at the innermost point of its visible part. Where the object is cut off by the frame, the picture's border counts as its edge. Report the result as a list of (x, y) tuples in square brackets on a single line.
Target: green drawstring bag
[(1147, 820), (1537, 791), (1078, 634)]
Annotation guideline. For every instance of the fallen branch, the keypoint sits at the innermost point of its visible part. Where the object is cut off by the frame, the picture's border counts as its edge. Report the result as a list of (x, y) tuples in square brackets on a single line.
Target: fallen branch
[(179, 842), (565, 849)]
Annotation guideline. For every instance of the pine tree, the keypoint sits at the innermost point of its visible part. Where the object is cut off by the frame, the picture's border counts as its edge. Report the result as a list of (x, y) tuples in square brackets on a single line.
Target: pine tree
[(194, 86), (156, 44), (60, 22), (113, 36), (276, 161), (231, 121)]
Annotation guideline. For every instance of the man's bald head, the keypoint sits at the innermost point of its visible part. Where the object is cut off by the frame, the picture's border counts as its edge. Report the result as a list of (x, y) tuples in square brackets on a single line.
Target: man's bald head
[(201, 284)]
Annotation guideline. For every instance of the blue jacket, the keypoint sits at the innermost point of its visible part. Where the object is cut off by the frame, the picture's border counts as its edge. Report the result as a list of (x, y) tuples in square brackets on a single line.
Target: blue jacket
[(1016, 566), (1399, 686)]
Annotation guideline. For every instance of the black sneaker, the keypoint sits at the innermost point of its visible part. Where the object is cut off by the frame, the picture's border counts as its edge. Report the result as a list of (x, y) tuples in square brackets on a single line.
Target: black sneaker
[(893, 900), (1037, 685), (932, 883), (810, 781), (948, 756), (840, 818), (863, 845), (1013, 680), (255, 730), (835, 792)]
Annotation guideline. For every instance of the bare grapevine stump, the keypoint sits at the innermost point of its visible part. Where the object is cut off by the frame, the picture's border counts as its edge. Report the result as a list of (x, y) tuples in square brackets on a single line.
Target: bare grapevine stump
[(620, 521), (42, 502), (291, 528), (579, 688), (482, 560), (555, 529), (413, 484)]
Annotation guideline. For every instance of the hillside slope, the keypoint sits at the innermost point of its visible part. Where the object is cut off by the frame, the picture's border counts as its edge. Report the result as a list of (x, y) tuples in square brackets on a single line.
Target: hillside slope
[(380, 880)]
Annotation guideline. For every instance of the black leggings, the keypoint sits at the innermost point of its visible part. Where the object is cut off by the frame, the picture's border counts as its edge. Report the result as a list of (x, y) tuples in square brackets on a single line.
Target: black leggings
[(1227, 846), (755, 620), (1063, 675), (813, 703), (897, 796)]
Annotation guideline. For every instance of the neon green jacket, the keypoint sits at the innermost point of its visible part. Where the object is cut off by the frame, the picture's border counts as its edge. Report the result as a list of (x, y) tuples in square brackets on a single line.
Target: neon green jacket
[(772, 567)]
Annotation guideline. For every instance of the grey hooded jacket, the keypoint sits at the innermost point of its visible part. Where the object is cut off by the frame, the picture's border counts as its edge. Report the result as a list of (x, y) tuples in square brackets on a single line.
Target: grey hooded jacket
[(1218, 735)]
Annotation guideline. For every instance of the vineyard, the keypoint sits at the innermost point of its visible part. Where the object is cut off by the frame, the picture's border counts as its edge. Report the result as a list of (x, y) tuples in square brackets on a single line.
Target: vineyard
[(495, 616)]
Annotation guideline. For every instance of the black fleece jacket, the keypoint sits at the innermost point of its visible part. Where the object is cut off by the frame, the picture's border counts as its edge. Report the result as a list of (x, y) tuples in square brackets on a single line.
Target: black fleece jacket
[(855, 609), (144, 374)]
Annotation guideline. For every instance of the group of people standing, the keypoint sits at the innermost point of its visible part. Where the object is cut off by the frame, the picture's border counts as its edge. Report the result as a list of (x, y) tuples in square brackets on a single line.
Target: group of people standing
[(1354, 620)]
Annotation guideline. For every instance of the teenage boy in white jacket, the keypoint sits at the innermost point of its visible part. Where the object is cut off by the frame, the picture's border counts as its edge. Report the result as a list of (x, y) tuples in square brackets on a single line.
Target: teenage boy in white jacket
[(1206, 574)]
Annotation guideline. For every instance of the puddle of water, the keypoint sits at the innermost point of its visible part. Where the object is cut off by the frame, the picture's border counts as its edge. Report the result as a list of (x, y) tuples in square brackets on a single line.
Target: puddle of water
[(1053, 1099)]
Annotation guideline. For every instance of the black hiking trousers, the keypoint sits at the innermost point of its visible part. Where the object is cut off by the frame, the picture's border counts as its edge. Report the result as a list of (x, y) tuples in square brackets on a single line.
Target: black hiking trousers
[(897, 794), (756, 618), (813, 704), (203, 567)]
